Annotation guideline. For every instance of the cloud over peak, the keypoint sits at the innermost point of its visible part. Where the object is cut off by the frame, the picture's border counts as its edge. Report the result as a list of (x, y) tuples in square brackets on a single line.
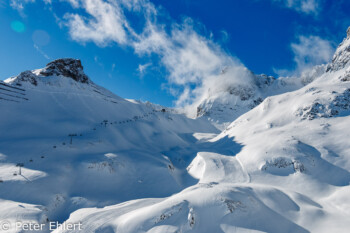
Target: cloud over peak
[(312, 50), (190, 58), (308, 52)]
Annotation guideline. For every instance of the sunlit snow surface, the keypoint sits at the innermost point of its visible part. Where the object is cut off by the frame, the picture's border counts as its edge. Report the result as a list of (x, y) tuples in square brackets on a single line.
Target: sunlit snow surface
[(117, 165)]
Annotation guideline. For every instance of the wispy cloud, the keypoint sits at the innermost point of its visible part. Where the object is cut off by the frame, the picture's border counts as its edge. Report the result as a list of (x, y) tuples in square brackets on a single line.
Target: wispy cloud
[(188, 56), (193, 61), (74, 3), (37, 48), (106, 22), (309, 51), (303, 6), (19, 4), (98, 61), (312, 50), (142, 68)]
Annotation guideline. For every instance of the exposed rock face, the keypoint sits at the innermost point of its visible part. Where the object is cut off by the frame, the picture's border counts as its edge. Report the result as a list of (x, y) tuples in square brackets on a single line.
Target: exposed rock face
[(284, 163), (262, 80), (340, 102), (67, 67), (243, 92), (26, 76), (345, 77), (341, 58)]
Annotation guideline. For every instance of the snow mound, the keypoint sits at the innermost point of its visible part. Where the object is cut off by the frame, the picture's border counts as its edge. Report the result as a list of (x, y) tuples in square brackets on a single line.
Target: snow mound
[(211, 167)]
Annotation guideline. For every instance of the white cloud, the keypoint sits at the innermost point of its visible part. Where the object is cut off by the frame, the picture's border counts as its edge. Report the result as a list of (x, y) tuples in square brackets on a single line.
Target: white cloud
[(225, 37), (187, 55), (185, 98), (74, 3), (303, 6), (37, 48), (194, 62), (142, 68), (312, 50), (309, 51), (19, 4), (105, 24), (99, 62)]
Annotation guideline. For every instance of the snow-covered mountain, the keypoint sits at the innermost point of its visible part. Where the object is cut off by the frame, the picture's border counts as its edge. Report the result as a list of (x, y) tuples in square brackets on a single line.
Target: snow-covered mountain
[(223, 105), (117, 165), (81, 145)]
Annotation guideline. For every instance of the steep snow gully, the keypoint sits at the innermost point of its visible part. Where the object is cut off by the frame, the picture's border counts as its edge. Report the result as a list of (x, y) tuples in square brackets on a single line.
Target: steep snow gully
[(277, 160)]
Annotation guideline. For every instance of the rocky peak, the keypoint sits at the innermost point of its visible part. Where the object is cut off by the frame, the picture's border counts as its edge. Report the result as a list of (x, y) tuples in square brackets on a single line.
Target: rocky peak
[(341, 58), (26, 76), (67, 67)]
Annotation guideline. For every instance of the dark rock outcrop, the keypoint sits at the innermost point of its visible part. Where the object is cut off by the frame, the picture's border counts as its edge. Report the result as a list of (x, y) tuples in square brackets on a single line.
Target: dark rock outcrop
[(67, 67), (26, 76), (340, 102)]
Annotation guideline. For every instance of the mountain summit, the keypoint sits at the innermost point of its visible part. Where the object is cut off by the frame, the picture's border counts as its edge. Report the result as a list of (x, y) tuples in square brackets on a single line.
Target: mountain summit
[(67, 67), (64, 67), (341, 58)]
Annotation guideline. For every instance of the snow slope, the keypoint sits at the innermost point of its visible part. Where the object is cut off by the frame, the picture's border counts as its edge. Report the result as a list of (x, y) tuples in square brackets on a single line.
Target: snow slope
[(283, 166), (118, 151)]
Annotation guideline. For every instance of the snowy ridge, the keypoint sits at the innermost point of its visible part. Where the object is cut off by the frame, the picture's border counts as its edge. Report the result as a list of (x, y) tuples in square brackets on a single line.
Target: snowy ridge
[(66, 67), (341, 57)]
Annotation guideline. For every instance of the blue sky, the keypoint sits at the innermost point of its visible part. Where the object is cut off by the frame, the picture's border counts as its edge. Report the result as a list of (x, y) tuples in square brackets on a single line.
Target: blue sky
[(162, 50)]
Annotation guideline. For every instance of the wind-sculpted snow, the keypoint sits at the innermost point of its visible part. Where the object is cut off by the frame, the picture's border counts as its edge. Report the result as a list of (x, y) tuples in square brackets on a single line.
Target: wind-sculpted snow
[(209, 208), (209, 167)]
